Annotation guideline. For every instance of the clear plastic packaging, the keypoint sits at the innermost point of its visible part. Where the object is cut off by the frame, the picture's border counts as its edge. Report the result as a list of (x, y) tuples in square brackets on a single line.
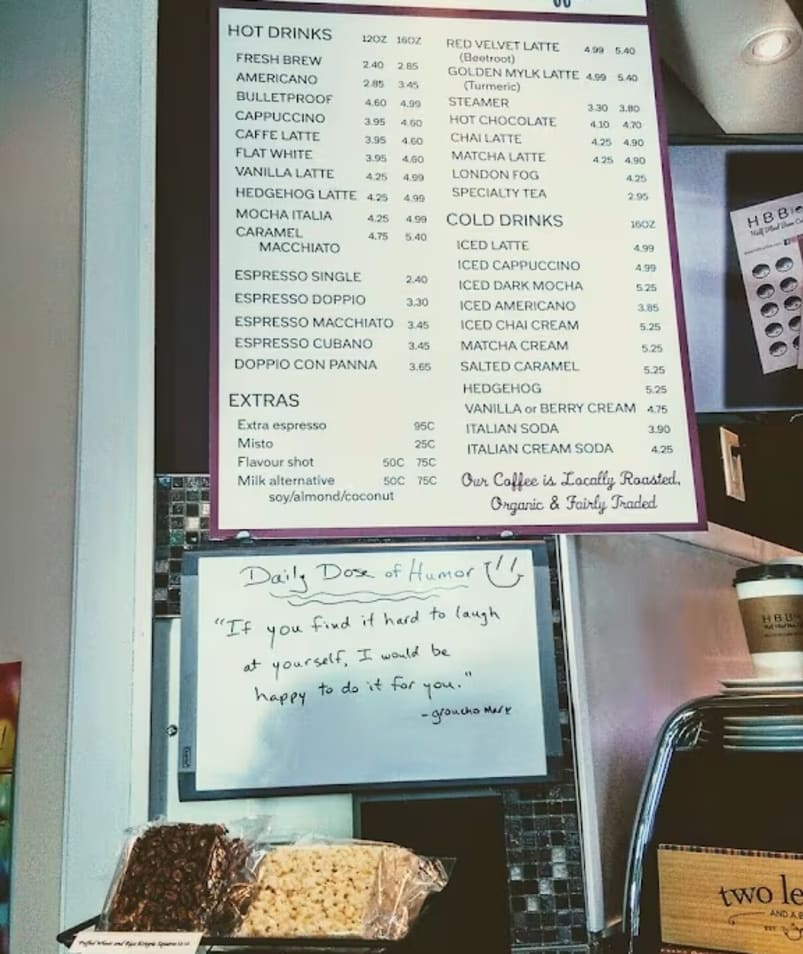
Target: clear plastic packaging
[(318, 888), (182, 876)]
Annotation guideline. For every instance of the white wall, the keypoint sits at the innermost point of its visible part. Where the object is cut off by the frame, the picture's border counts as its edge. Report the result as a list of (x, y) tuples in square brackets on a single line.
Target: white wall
[(654, 624), (41, 90), (106, 786)]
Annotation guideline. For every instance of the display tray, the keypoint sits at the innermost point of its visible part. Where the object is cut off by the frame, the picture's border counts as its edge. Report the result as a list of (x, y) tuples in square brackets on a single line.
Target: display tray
[(694, 949), (293, 945), (674, 949)]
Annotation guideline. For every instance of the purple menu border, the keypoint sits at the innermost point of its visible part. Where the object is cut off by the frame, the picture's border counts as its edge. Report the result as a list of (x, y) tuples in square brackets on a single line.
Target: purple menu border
[(216, 532), (680, 313)]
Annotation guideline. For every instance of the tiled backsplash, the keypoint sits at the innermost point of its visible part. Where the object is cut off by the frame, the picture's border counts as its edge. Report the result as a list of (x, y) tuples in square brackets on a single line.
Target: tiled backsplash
[(182, 522), (545, 877), (547, 896)]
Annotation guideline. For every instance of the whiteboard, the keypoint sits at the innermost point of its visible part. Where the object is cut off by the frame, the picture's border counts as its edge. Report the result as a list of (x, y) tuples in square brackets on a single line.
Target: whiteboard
[(332, 669)]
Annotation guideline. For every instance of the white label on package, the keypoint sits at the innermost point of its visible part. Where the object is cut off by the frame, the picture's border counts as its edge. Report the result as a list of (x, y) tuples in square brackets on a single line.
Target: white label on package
[(105, 942), (768, 242)]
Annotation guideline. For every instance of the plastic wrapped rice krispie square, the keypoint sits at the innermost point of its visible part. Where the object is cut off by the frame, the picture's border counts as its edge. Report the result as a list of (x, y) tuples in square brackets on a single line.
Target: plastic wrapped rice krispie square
[(355, 889)]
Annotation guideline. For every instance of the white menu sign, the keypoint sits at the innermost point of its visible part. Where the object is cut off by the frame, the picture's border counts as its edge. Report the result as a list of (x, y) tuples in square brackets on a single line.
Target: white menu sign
[(444, 274)]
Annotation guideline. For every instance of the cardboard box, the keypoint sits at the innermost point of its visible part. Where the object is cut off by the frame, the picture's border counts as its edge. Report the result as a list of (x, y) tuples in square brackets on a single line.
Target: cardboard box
[(727, 899)]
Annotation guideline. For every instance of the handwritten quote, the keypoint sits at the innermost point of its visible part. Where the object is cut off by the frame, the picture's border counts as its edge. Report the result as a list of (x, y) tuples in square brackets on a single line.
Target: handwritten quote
[(283, 665)]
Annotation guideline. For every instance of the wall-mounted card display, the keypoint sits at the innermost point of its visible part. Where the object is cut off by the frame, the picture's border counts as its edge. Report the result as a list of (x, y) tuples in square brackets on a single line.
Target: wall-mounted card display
[(444, 280), (739, 212), (768, 239)]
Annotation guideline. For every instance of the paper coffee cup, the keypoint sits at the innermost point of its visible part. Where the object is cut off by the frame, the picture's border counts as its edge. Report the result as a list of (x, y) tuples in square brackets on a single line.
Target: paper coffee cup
[(771, 605)]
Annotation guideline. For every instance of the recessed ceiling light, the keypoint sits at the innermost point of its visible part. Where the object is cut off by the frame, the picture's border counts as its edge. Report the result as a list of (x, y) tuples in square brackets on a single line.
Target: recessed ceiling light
[(771, 46)]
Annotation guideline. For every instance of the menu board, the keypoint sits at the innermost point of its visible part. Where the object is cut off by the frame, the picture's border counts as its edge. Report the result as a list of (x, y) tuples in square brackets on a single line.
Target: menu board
[(444, 273), (332, 669)]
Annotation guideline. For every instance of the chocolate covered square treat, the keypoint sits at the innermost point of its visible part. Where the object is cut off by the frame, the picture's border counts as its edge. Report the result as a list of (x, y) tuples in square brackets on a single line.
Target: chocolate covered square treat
[(174, 877)]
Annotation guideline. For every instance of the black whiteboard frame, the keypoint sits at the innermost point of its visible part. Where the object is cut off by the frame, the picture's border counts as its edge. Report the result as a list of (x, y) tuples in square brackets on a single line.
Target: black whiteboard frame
[(188, 694)]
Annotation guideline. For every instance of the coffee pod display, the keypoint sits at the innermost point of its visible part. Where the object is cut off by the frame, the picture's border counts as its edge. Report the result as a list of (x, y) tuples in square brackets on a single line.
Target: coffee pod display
[(771, 605)]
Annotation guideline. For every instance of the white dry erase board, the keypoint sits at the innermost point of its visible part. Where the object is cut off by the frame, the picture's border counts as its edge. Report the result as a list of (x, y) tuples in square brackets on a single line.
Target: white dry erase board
[(321, 669)]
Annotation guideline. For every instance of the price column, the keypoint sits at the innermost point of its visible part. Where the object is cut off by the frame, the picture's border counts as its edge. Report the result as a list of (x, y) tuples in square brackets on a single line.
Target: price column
[(398, 106), (623, 141)]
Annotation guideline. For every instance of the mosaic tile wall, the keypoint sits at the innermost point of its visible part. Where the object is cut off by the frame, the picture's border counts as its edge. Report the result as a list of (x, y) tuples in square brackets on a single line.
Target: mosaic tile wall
[(543, 837), (545, 878), (182, 522)]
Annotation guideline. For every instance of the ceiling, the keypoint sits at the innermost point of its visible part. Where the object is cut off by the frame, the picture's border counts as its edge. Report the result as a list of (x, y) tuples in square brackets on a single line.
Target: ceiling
[(702, 42)]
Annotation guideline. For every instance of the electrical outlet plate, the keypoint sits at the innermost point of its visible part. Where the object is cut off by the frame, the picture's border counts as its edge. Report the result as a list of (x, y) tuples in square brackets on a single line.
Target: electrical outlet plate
[(732, 466)]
